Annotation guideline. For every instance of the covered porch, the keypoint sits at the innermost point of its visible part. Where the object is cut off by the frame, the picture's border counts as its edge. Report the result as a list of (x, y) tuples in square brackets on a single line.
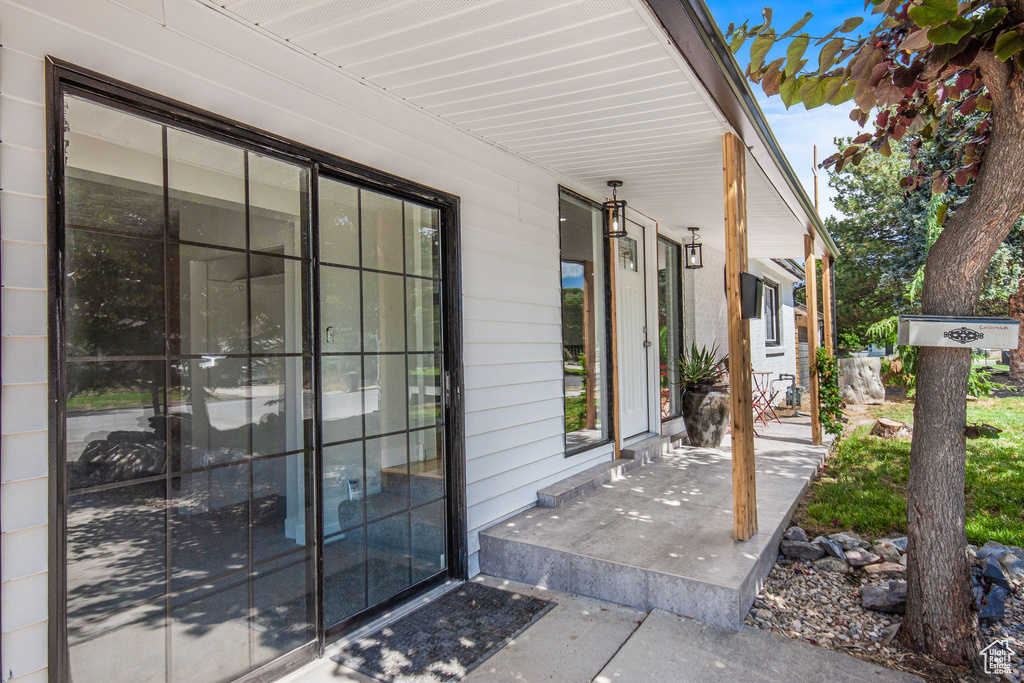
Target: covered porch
[(660, 536)]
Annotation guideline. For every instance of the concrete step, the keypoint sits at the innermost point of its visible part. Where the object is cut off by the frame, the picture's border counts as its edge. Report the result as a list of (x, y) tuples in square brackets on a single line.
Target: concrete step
[(591, 479)]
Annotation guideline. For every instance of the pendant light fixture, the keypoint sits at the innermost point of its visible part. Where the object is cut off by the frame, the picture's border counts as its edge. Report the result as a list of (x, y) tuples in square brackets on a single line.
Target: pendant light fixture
[(694, 251), (615, 226)]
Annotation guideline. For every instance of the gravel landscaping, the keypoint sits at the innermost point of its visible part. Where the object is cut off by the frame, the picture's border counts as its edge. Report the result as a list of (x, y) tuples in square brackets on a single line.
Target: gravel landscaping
[(813, 595)]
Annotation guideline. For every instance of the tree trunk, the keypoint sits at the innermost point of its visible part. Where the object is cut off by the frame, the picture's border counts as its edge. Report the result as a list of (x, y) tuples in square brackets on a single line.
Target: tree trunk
[(940, 620), (1017, 313)]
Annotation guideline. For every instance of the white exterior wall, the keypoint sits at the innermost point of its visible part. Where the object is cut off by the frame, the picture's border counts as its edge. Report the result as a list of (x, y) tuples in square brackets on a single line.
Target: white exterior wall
[(706, 318), (509, 218)]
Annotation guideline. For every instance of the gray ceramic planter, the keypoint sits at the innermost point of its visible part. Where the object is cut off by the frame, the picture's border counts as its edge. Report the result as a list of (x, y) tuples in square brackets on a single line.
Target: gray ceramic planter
[(706, 415)]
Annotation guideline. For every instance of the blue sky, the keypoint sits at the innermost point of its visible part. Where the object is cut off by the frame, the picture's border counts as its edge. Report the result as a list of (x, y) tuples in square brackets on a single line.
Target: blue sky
[(797, 129)]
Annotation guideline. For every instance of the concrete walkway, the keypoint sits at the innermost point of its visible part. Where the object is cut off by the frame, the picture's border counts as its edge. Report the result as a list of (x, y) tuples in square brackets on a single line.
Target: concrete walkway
[(583, 640)]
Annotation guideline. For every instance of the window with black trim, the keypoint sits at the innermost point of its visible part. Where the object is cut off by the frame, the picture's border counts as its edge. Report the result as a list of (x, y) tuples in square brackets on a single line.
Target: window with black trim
[(584, 324), (772, 329)]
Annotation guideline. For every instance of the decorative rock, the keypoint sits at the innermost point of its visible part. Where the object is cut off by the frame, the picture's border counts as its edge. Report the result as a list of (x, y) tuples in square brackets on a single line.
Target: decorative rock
[(992, 550), (859, 557), (993, 606), (831, 547), (860, 381), (881, 599), (898, 589), (886, 570), (887, 551), (795, 533), (887, 428), (832, 564), (849, 540), (800, 550), (900, 542), (993, 574), (1013, 565), (903, 560)]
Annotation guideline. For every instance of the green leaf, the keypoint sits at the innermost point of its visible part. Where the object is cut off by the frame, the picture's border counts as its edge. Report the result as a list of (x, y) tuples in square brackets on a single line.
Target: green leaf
[(790, 91), (798, 25), (950, 32), (850, 24), (990, 19), (737, 41), (795, 52), (813, 92), (1008, 44), (933, 12), (828, 54), (759, 49), (844, 94)]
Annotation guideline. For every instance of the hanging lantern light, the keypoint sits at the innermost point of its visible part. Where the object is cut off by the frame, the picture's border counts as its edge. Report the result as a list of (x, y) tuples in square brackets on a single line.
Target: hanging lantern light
[(615, 226), (694, 252)]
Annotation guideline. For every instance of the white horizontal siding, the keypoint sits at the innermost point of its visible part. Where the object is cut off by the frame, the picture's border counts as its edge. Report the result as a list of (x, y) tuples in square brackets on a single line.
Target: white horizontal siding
[(509, 223)]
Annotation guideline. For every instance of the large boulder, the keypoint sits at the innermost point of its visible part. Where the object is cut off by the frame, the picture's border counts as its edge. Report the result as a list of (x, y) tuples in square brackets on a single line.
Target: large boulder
[(890, 599), (860, 381)]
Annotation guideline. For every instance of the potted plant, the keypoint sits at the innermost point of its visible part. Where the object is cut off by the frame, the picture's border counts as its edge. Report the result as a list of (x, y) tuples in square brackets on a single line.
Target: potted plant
[(705, 401)]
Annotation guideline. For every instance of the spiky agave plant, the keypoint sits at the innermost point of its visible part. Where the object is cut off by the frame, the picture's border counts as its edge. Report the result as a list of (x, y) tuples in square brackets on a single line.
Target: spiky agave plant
[(702, 368)]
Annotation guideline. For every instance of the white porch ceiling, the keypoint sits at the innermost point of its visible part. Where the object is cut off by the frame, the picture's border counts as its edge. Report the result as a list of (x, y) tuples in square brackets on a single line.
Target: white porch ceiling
[(592, 89)]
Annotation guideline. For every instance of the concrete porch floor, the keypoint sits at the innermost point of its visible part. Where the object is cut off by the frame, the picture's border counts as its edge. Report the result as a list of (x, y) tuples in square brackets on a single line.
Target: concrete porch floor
[(660, 537)]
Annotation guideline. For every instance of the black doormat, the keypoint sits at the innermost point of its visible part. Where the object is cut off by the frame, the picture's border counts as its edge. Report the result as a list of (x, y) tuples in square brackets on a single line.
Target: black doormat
[(445, 639)]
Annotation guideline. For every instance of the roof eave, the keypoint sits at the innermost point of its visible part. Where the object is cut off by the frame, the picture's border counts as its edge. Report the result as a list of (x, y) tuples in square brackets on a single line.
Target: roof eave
[(697, 37)]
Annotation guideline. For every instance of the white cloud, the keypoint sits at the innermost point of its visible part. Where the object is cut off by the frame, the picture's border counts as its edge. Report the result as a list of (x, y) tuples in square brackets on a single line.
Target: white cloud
[(799, 130)]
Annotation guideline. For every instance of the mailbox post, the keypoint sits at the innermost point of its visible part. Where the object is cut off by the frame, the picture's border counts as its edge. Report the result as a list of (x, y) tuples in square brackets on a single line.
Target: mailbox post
[(958, 332)]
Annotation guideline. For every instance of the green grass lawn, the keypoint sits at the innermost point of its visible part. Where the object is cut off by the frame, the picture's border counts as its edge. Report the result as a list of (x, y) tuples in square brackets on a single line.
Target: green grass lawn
[(863, 485), (575, 413)]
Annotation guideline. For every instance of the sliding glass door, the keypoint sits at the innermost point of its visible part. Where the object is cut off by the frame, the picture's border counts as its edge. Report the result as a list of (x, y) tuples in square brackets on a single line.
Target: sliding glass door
[(251, 381)]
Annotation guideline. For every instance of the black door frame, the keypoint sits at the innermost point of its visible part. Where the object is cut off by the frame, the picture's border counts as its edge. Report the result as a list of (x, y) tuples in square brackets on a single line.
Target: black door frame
[(63, 77)]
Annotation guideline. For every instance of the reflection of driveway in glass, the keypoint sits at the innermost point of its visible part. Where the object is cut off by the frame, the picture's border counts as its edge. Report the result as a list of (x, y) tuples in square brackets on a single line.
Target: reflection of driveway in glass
[(573, 385)]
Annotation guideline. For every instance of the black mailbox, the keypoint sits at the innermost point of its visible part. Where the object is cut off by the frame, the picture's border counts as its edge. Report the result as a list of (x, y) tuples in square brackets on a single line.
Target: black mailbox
[(751, 291)]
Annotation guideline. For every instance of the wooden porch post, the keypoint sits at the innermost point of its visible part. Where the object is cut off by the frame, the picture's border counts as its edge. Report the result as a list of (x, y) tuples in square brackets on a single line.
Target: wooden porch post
[(744, 489), (613, 245), (826, 301), (811, 289)]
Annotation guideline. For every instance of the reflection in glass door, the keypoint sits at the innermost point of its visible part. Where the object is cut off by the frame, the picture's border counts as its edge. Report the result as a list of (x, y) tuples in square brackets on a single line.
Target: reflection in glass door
[(381, 370), (189, 439)]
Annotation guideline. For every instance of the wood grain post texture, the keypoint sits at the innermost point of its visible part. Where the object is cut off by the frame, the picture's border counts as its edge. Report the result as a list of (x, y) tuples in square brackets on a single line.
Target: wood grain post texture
[(826, 301), (744, 487), (811, 289), (613, 247)]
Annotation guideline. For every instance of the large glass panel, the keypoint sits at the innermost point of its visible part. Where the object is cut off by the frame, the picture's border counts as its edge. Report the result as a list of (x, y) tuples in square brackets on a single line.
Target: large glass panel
[(344, 575), (279, 505), (284, 605), (584, 324), (381, 221), (339, 310), (209, 523), (117, 286), (115, 422), (206, 190), (209, 301), (339, 223), (116, 550), (383, 313), (210, 411), (422, 243), (114, 175), (342, 398), (424, 390), (387, 476), (277, 205), (387, 557), (344, 489), (670, 326), (426, 465), (210, 631), (190, 521), (423, 314), (137, 630), (279, 399), (428, 541), (385, 397), (278, 311)]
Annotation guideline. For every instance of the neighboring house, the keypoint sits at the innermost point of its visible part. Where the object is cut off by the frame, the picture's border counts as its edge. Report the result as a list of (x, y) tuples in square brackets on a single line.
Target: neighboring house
[(299, 296)]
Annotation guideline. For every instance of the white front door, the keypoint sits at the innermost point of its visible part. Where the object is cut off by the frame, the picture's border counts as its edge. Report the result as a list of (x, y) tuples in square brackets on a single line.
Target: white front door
[(633, 343)]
